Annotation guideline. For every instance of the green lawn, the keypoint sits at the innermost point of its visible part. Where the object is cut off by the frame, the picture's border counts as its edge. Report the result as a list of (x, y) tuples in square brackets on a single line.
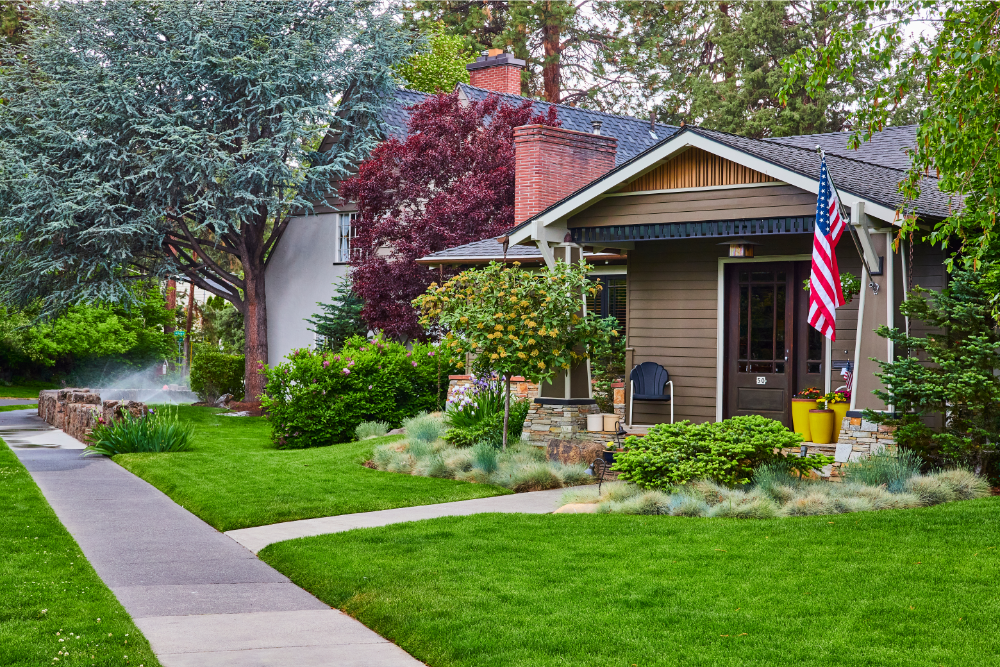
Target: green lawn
[(8, 408), (234, 477), (54, 609), (894, 588), (29, 390)]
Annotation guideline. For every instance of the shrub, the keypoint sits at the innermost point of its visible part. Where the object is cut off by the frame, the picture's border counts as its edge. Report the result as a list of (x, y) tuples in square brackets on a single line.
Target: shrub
[(891, 468), (214, 373), (484, 457), (726, 451), (490, 428), (154, 432), (930, 490), (367, 430), (685, 505), (965, 483), (320, 398)]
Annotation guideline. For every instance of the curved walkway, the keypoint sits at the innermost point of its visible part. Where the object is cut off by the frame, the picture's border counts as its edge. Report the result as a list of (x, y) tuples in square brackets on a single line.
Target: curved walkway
[(536, 502), (201, 598)]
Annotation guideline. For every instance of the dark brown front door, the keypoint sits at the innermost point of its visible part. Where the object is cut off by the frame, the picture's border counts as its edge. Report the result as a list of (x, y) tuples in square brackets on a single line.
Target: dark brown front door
[(759, 339)]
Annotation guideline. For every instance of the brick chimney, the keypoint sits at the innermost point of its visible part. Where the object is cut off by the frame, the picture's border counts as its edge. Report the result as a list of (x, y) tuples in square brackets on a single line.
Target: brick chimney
[(496, 71), (551, 163)]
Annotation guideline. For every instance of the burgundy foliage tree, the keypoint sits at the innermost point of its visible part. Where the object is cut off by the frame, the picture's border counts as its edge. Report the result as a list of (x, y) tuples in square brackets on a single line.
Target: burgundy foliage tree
[(450, 183)]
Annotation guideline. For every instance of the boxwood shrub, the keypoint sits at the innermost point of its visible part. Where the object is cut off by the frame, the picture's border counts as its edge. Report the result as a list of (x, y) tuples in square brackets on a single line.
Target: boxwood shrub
[(726, 451), (214, 373), (319, 398)]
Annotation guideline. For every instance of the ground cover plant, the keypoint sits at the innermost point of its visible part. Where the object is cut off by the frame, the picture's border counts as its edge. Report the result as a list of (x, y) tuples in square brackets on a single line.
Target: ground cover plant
[(234, 477), (475, 413), (897, 588), (54, 609), (320, 398), (520, 467)]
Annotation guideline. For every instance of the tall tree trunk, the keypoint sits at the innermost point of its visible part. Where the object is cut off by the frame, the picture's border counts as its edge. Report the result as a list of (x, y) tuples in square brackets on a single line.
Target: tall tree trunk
[(255, 328), (551, 79)]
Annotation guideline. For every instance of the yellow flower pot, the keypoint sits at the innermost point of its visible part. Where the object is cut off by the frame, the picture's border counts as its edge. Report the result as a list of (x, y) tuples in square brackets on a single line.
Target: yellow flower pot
[(840, 412), (800, 416), (821, 425)]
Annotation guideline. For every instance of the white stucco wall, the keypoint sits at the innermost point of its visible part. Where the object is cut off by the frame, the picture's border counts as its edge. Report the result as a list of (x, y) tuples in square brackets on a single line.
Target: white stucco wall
[(299, 274)]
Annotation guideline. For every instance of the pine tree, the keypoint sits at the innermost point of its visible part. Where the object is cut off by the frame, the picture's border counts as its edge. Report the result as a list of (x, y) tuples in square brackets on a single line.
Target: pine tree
[(340, 319)]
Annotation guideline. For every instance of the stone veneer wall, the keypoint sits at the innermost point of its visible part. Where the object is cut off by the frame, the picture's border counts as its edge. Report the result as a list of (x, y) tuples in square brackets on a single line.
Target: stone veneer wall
[(77, 411), (858, 438), (519, 387)]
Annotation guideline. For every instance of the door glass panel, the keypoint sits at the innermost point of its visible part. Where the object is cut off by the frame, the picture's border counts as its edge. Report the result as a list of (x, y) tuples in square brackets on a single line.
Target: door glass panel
[(779, 322), (814, 356), (744, 324), (762, 277), (762, 322)]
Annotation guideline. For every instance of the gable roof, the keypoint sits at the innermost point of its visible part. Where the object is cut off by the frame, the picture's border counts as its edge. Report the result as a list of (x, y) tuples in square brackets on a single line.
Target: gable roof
[(887, 148)]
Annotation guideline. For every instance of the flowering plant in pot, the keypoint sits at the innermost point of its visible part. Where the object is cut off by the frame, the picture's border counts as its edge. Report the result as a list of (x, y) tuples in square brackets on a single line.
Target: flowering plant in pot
[(802, 403)]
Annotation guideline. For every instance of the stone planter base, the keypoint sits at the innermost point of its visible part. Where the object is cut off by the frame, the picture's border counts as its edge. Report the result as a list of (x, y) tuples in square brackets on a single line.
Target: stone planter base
[(77, 411)]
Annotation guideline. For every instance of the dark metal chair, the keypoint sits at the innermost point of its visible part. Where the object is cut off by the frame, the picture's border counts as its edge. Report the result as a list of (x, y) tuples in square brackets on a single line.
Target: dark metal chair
[(648, 381)]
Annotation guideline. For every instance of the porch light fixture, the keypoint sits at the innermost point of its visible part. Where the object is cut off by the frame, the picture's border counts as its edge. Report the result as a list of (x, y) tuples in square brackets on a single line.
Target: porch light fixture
[(740, 247)]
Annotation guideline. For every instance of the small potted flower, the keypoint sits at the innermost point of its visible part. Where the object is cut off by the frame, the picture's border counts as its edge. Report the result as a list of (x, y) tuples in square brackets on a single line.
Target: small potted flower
[(839, 402), (802, 403), (823, 421), (610, 448)]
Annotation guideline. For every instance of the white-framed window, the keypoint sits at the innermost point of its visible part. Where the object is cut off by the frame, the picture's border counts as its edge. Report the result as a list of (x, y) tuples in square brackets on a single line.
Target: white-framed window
[(345, 236)]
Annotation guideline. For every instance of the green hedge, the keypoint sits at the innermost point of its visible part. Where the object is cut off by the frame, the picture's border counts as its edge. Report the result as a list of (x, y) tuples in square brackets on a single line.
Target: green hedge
[(726, 451), (320, 398), (214, 374)]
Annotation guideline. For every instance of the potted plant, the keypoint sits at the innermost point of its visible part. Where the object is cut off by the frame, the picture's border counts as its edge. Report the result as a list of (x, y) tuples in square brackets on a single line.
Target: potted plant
[(610, 448), (822, 421), (802, 403), (839, 402)]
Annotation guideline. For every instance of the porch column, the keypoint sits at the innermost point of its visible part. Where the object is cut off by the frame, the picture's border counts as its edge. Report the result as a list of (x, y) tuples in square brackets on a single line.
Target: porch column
[(874, 309)]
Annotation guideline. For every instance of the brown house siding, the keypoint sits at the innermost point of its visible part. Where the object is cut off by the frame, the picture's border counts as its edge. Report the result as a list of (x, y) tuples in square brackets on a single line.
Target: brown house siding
[(737, 203), (673, 316)]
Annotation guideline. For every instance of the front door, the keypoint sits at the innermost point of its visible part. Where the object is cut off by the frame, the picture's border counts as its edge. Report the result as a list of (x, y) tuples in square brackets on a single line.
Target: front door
[(759, 339)]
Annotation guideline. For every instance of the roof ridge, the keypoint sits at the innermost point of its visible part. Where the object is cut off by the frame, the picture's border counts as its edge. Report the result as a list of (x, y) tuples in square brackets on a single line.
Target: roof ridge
[(811, 150), (828, 134), (572, 108)]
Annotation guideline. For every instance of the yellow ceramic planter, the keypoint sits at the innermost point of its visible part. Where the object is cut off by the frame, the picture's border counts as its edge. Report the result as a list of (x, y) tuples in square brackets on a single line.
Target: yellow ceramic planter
[(800, 416), (840, 412), (821, 425)]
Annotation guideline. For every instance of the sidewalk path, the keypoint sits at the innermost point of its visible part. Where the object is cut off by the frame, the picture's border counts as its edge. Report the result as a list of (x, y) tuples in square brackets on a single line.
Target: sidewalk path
[(201, 599), (536, 502)]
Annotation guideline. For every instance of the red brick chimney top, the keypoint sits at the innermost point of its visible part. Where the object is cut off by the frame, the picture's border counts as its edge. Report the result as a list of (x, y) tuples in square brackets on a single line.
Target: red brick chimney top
[(496, 71)]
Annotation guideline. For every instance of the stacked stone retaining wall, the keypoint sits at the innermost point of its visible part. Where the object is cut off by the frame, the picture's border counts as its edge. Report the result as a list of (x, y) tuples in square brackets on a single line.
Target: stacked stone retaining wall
[(78, 410)]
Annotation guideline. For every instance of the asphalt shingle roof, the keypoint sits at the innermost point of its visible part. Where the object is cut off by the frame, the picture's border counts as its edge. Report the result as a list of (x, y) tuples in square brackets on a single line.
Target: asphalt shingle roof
[(886, 148), (486, 248)]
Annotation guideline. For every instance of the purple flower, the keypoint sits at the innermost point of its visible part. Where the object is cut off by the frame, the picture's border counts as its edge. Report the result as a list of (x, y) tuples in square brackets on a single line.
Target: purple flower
[(408, 353), (414, 364), (369, 386), (430, 354), (337, 357), (363, 349), (326, 364), (347, 372)]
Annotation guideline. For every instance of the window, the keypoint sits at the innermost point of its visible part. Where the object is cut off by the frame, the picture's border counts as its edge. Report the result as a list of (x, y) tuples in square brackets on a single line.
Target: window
[(345, 235), (610, 301)]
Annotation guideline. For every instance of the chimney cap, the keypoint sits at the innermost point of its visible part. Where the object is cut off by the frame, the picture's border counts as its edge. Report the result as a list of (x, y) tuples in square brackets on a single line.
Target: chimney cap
[(499, 60), (596, 124)]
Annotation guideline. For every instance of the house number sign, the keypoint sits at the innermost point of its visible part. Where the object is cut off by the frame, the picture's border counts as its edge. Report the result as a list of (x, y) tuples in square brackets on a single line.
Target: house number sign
[(761, 380)]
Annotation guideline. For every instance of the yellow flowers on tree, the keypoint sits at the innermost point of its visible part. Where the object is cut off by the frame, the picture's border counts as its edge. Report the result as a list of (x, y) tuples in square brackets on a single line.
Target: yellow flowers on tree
[(517, 322)]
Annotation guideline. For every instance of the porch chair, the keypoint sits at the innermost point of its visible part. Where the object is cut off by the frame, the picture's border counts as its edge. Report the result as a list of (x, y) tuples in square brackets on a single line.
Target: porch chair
[(648, 381)]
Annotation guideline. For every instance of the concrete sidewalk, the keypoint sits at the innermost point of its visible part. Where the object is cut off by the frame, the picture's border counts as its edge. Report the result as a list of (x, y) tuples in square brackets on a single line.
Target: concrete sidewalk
[(200, 598), (537, 502)]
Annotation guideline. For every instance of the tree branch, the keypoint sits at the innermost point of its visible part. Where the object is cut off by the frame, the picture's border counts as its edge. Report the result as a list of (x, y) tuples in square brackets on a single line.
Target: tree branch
[(206, 259)]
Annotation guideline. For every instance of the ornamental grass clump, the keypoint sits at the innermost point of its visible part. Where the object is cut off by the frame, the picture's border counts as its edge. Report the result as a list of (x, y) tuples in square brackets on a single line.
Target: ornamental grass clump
[(776, 492), (520, 468), (155, 431), (885, 467), (373, 429)]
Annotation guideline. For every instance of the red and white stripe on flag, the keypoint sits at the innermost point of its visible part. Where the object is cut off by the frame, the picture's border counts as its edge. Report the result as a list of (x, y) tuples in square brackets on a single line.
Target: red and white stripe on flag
[(825, 291)]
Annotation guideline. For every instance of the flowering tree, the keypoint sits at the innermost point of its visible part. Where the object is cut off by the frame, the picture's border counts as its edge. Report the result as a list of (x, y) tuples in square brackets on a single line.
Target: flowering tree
[(451, 182), (517, 322)]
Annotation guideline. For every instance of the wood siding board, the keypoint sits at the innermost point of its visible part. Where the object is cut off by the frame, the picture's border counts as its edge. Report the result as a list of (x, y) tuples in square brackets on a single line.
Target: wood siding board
[(696, 168)]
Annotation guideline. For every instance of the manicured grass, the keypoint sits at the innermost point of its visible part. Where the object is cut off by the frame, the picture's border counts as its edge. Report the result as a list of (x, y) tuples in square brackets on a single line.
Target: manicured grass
[(54, 609), (233, 477), (899, 587), (29, 390), (8, 408)]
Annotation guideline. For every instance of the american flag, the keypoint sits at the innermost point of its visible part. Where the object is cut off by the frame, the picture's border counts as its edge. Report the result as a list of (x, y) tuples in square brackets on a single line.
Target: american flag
[(847, 372), (825, 292)]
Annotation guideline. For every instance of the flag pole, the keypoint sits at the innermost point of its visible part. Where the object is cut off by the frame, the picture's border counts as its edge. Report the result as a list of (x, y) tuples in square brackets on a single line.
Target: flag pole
[(840, 206)]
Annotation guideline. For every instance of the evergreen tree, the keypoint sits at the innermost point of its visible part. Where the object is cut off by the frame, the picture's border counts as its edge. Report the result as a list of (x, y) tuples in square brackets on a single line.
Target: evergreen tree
[(341, 318), (158, 139)]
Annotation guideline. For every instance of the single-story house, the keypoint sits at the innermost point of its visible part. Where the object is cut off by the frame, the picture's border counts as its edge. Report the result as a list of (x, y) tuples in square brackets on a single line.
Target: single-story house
[(729, 325)]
